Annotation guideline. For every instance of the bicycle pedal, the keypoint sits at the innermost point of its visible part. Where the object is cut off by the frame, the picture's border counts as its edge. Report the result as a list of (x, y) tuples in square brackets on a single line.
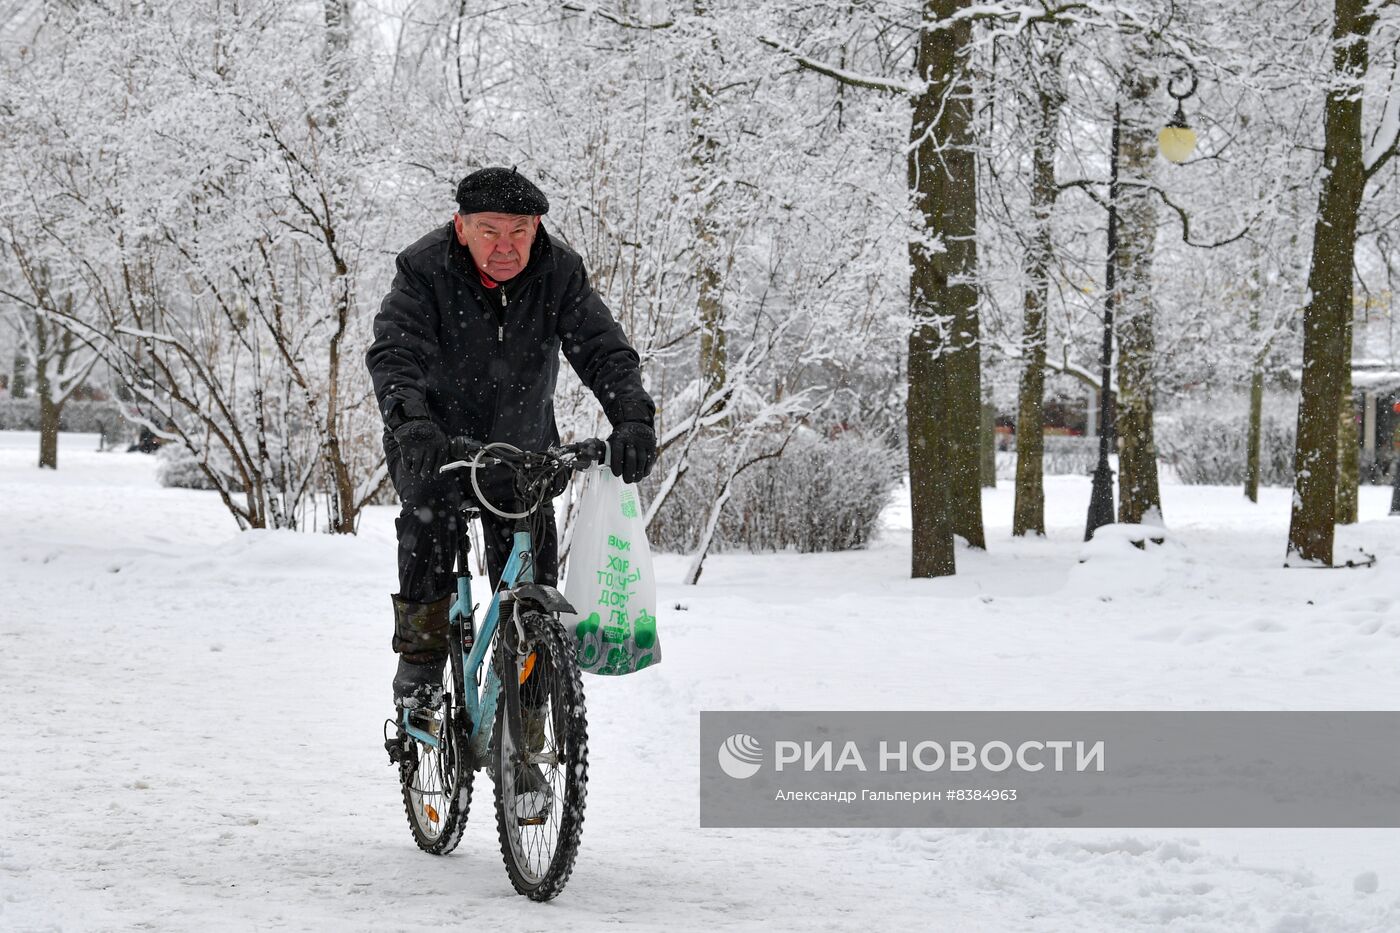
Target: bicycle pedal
[(395, 744)]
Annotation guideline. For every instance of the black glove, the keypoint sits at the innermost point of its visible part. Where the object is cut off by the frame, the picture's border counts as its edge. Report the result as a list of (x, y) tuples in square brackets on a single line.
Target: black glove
[(423, 445), (632, 448)]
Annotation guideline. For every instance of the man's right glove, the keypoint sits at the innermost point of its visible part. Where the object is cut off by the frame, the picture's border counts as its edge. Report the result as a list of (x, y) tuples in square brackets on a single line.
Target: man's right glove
[(632, 448), (423, 445)]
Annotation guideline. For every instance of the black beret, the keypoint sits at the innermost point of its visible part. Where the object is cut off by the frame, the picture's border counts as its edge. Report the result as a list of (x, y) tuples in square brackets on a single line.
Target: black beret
[(500, 191)]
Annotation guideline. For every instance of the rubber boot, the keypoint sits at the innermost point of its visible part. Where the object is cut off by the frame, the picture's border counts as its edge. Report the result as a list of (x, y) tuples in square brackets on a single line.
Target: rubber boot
[(420, 638)]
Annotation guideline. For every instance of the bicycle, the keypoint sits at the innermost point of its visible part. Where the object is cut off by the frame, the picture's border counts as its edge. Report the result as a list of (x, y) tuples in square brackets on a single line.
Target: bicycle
[(536, 741)]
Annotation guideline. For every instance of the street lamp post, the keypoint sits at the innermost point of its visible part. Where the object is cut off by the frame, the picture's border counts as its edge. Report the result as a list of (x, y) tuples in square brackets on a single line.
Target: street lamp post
[(1176, 142), (1395, 463), (1395, 489), (1101, 498)]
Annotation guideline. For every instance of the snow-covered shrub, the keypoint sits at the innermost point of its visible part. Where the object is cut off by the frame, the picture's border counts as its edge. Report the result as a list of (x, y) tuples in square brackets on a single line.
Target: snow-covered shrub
[(1377, 467), (80, 416), (1065, 455), (19, 414), (1204, 442), (178, 467), (822, 494)]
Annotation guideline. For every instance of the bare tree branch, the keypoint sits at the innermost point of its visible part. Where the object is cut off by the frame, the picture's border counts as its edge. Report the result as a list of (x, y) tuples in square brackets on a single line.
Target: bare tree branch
[(869, 82), (591, 10)]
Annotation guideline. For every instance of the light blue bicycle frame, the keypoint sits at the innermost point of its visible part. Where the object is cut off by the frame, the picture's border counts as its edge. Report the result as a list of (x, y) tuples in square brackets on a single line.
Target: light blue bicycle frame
[(481, 707)]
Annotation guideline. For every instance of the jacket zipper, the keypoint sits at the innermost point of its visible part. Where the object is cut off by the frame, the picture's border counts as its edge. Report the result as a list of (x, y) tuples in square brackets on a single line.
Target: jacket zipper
[(500, 348)]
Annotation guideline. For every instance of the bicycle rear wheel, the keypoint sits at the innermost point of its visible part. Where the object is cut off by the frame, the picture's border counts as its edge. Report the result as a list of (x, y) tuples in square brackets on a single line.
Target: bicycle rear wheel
[(437, 781), (541, 786)]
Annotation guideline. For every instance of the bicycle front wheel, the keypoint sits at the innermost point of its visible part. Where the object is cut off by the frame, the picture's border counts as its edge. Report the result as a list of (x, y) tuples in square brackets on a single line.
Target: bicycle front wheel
[(541, 781), (435, 778)]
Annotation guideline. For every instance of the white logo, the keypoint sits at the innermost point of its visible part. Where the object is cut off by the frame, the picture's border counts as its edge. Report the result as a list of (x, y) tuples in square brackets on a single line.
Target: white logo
[(740, 756)]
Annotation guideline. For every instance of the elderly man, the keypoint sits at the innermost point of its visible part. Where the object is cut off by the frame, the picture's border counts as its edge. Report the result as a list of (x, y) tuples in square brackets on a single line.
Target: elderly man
[(467, 343)]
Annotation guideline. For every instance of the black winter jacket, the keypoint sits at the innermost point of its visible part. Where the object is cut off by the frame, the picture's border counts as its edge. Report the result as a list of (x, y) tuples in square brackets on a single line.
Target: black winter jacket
[(483, 362)]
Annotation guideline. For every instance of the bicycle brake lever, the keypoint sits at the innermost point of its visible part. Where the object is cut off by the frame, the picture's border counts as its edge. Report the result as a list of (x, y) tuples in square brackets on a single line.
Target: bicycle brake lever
[(589, 452)]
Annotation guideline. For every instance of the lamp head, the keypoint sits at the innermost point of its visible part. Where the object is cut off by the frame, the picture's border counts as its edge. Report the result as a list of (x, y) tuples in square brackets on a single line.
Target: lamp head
[(1177, 141)]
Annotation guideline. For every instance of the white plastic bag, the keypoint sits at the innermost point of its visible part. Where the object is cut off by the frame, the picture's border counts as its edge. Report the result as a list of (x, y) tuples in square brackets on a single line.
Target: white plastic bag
[(610, 581)]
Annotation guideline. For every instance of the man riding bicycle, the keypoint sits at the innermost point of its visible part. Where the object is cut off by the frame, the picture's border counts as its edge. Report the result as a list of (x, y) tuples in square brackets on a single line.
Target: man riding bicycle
[(467, 343)]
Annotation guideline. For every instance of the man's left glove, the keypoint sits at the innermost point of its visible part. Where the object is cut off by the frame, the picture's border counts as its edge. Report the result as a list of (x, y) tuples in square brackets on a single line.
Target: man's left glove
[(423, 445), (632, 448)]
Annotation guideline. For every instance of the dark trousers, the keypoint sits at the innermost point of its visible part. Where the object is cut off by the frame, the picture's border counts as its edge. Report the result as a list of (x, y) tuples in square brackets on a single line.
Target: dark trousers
[(430, 525)]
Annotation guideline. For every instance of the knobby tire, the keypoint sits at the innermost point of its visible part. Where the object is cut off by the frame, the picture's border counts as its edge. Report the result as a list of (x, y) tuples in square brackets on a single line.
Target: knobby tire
[(539, 858)]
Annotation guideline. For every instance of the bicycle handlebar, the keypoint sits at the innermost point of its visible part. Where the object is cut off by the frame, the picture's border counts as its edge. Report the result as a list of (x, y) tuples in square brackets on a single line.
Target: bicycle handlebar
[(532, 466), (465, 449)]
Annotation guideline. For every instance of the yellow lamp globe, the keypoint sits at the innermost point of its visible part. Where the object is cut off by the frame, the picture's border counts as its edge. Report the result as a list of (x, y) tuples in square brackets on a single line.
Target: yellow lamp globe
[(1176, 141)]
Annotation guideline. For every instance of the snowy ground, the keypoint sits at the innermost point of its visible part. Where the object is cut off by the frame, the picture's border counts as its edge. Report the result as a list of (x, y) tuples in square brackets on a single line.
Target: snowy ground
[(191, 729)]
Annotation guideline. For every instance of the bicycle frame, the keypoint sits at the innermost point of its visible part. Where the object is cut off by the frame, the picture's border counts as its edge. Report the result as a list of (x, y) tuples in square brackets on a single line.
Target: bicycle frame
[(469, 645), (480, 705)]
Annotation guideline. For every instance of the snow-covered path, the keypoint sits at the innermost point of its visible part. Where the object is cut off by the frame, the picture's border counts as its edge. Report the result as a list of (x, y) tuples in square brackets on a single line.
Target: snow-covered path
[(191, 728)]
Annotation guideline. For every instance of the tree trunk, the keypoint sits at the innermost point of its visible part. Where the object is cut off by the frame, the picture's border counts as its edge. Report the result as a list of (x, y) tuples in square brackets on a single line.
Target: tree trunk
[(1028, 514), (988, 439), (955, 223), (704, 225), (1256, 400), (928, 447), (1348, 441), (48, 431), (1256, 417), (344, 509), (1312, 524), (1138, 493), (337, 59), (19, 387), (44, 354), (937, 484), (959, 230)]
